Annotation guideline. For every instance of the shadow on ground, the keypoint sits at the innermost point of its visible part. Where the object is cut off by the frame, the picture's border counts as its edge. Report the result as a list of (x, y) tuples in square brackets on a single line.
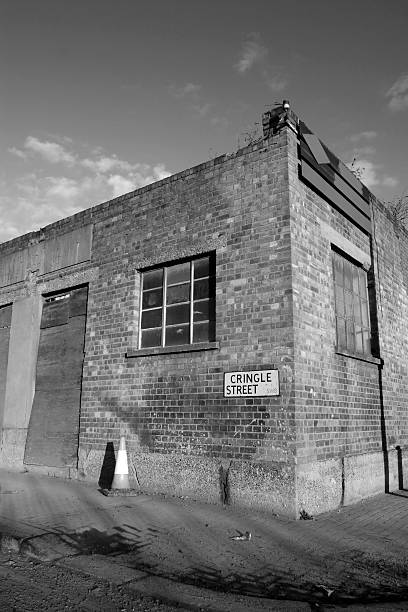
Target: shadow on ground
[(359, 586)]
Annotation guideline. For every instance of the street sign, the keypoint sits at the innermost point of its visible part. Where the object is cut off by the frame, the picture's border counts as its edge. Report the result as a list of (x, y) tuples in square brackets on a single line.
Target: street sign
[(255, 383)]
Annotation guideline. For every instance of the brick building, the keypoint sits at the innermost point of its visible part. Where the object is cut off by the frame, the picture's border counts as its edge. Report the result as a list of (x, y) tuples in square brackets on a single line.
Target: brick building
[(243, 323)]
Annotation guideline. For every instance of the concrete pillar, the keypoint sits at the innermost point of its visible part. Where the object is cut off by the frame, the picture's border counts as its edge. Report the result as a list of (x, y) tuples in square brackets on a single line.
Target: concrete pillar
[(20, 381)]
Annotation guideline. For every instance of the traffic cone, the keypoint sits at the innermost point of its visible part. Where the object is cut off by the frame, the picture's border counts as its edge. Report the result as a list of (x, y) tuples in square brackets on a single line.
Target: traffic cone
[(121, 476)]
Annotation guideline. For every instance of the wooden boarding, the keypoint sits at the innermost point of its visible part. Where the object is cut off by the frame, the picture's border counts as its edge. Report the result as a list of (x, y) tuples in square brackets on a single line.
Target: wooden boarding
[(52, 438), (335, 198), (336, 181)]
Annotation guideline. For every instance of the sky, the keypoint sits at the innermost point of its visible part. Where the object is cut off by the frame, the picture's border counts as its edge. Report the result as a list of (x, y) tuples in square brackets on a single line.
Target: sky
[(100, 97)]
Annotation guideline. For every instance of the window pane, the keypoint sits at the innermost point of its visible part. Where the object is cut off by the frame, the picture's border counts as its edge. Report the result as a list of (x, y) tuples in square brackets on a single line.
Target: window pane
[(350, 335), (359, 339), (151, 337), (348, 276), (152, 299), (178, 314), (363, 283), (204, 310), (152, 318), (355, 281), (349, 304), (202, 289), (153, 279), (367, 341), (178, 274), (341, 333), (339, 300), (364, 312), (178, 293), (357, 310), (338, 269), (179, 334), (202, 267), (204, 332)]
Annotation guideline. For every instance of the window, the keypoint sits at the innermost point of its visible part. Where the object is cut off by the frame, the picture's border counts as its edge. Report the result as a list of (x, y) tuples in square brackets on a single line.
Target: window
[(352, 312), (178, 304)]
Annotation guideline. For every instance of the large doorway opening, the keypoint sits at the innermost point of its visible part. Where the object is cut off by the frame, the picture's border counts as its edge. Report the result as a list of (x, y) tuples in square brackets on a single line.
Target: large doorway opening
[(52, 438)]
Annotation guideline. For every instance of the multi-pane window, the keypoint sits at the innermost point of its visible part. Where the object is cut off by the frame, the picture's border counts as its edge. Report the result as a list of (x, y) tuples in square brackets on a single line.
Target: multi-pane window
[(352, 310), (178, 304)]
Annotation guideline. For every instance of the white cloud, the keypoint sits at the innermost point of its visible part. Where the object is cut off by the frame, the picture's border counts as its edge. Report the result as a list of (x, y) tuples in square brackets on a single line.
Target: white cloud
[(398, 94), (390, 181), (254, 56), (253, 52), (368, 135), (364, 151), (106, 164), (189, 89), (52, 152), (191, 94), (62, 187), (160, 172), (39, 197), (371, 174), (120, 184), (17, 152), (202, 109), (275, 82)]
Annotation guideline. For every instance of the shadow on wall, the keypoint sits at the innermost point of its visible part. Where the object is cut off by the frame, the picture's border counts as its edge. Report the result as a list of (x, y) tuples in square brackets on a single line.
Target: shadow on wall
[(108, 467)]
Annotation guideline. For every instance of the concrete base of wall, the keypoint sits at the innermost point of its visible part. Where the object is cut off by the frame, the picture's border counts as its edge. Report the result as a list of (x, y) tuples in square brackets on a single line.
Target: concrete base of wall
[(314, 487), (259, 486), (325, 485), (319, 486), (12, 447), (266, 487)]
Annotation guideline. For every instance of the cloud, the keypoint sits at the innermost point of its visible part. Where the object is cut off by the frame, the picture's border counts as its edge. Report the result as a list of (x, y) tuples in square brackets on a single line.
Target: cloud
[(368, 135), (40, 197), (275, 82), (202, 109), (62, 187), (189, 89), (253, 52), (254, 57), (371, 174), (390, 181), (52, 152), (364, 151), (17, 152), (106, 164), (398, 94), (192, 96), (120, 184)]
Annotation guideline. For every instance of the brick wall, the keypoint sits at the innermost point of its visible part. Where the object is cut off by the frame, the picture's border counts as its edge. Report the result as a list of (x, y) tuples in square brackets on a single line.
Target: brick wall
[(390, 246), (238, 207)]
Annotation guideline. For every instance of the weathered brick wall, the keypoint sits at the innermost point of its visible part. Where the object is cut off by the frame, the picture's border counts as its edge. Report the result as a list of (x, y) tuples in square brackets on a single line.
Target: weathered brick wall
[(236, 206), (390, 246), (337, 397)]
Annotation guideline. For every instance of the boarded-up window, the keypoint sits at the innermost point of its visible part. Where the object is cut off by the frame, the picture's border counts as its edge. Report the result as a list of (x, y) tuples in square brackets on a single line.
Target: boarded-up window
[(352, 311)]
